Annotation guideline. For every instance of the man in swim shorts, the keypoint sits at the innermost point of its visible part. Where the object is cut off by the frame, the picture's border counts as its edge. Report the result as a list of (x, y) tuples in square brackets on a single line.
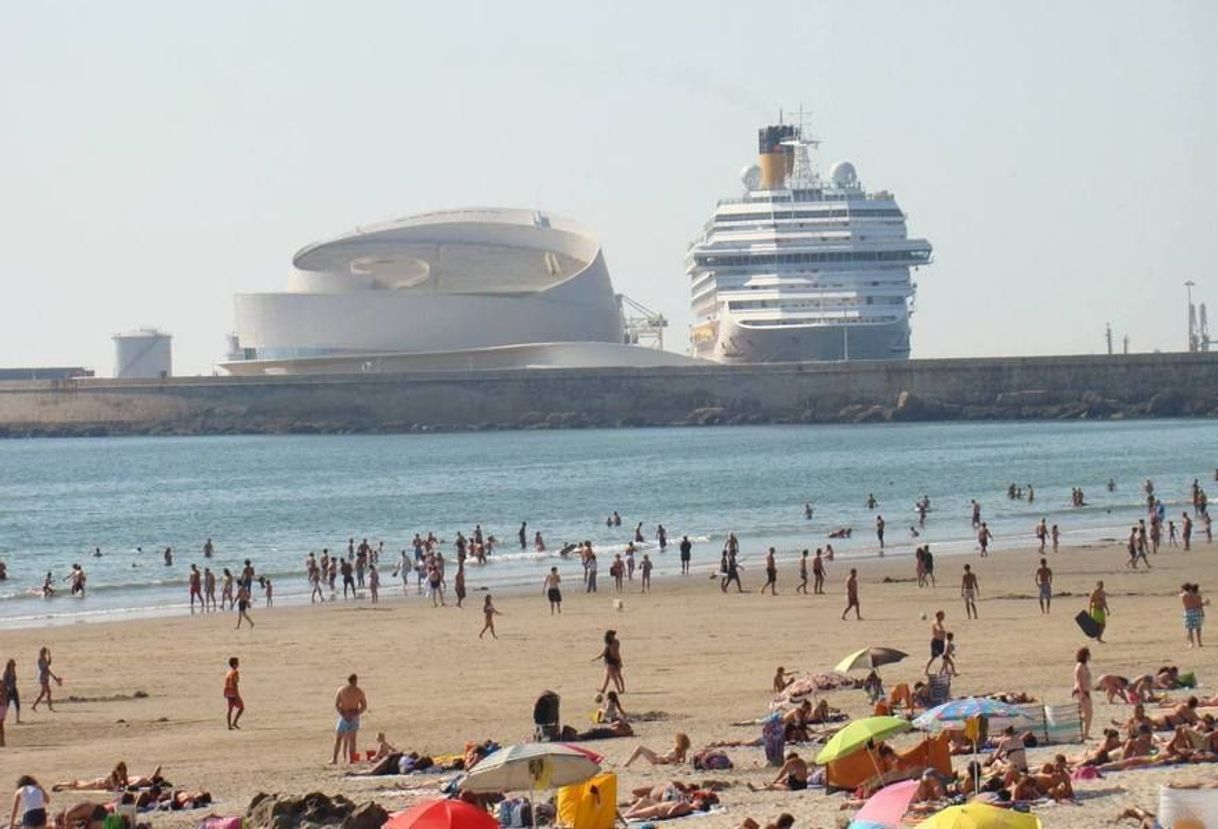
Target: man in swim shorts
[(969, 590), (232, 694), (350, 703), (1044, 583)]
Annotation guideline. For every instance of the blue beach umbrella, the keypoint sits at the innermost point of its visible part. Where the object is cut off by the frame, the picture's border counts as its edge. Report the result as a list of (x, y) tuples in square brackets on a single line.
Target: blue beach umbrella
[(956, 711)]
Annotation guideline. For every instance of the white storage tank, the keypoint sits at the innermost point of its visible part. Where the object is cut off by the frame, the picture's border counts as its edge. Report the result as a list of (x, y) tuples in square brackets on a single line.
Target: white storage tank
[(146, 353)]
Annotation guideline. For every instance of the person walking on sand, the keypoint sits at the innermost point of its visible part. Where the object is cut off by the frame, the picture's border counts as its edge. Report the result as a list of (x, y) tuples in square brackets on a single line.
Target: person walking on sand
[(232, 694), (852, 595), (458, 584), (818, 573), (374, 583), (803, 573), (970, 591), (350, 703), (1097, 607), (1082, 688), (1044, 585), (226, 590), (611, 656), (551, 591), (645, 577), (686, 548), (1186, 531), (732, 574), (196, 590), (45, 675), (938, 639), (243, 605), (1194, 613), (771, 574), (489, 612), (209, 589), (11, 691), (984, 536)]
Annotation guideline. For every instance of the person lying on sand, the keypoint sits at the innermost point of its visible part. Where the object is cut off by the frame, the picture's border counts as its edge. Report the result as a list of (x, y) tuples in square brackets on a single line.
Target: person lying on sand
[(792, 777), (1053, 779), (117, 780), (674, 757), (86, 814), (669, 800), (1182, 714), (1100, 755)]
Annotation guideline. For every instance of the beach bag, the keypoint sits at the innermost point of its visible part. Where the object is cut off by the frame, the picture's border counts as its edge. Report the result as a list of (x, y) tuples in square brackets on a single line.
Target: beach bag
[(711, 761)]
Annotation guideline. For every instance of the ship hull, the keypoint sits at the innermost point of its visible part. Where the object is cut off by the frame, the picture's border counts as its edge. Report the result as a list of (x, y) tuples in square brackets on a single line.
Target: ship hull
[(738, 343)]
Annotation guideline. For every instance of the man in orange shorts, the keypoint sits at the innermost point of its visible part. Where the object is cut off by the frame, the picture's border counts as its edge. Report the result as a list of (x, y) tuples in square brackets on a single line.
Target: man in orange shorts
[(233, 694)]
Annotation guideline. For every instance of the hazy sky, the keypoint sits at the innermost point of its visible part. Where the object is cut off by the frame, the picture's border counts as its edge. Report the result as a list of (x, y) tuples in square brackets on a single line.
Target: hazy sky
[(158, 157)]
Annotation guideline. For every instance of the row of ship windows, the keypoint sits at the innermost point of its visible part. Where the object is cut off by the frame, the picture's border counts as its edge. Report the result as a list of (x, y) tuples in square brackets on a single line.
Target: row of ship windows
[(770, 259), (833, 319), (811, 214), (790, 305)]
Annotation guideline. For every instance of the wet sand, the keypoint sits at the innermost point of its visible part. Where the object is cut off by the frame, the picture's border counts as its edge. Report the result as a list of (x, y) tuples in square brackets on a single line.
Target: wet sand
[(695, 660)]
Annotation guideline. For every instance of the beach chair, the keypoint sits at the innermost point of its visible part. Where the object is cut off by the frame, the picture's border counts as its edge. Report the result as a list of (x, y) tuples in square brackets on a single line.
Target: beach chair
[(546, 728), (1063, 723)]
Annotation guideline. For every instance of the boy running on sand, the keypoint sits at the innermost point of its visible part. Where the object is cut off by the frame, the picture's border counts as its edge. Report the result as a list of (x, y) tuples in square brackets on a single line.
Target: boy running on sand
[(232, 694)]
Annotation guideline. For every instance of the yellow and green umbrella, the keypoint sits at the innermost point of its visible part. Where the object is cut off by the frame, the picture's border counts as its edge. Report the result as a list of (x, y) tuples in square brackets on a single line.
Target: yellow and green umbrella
[(869, 659), (980, 816), (857, 734)]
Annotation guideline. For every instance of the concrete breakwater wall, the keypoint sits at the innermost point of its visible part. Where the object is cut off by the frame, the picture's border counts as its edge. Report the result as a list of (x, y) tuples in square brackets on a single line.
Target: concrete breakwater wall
[(1141, 385)]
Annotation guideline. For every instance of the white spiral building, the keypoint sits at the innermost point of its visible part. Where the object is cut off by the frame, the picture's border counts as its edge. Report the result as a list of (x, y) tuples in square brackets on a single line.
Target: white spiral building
[(457, 289)]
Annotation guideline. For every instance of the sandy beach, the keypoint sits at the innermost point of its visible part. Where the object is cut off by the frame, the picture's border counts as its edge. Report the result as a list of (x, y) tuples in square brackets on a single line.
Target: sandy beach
[(695, 660)]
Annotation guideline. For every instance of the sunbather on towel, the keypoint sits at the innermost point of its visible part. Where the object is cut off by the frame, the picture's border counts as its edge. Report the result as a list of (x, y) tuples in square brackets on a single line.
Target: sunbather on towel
[(792, 777), (117, 780), (673, 757)]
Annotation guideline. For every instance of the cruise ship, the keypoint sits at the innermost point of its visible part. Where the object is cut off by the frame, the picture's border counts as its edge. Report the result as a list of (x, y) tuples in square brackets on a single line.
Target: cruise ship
[(801, 268)]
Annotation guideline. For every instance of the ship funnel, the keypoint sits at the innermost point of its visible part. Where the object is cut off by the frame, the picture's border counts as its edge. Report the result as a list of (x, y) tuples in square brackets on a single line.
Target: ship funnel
[(776, 154)]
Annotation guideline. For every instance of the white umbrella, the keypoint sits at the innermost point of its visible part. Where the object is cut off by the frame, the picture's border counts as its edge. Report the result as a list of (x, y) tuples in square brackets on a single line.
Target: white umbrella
[(531, 766)]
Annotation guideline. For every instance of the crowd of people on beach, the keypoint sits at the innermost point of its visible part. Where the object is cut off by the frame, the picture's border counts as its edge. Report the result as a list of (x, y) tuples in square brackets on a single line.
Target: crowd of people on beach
[(1162, 728)]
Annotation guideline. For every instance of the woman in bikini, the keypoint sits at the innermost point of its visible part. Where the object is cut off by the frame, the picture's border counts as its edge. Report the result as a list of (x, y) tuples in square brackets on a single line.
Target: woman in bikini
[(1082, 688), (674, 757), (489, 612), (611, 655)]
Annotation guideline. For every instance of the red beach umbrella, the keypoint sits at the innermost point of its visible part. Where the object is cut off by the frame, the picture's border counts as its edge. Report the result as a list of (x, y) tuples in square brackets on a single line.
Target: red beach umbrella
[(442, 814)]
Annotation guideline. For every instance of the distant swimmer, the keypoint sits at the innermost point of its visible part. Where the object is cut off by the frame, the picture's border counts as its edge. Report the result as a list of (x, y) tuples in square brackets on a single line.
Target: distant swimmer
[(686, 548), (523, 535), (48, 589), (807, 512), (638, 533), (976, 514), (1111, 485), (913, 531), (168, 555), (539, 544), (208, 549), (97, 553), (840, 532), (617, 519), (871, 502), (879, 530), (662, 537)]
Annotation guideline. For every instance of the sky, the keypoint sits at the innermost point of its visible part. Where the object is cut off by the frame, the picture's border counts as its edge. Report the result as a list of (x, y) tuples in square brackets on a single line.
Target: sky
[(156, 158)]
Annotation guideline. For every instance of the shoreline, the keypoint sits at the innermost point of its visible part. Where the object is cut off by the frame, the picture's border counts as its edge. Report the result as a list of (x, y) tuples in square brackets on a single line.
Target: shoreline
[(520, 585)]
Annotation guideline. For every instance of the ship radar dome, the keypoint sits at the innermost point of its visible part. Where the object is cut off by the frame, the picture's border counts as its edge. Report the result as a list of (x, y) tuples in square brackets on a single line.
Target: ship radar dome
[(750, 176), (844, 174)]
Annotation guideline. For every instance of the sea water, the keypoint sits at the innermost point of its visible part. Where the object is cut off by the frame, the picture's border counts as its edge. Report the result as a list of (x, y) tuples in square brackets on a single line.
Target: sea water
[(273, 499)]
